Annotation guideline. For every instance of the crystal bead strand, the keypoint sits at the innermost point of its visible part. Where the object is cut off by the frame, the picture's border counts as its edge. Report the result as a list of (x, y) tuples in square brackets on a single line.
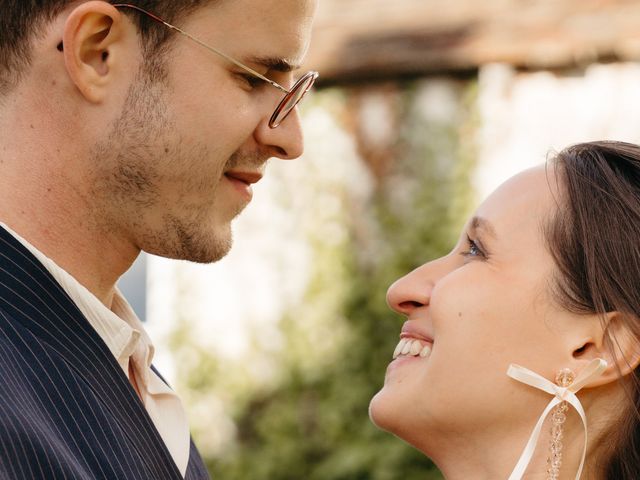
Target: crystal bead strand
[(564, 378)]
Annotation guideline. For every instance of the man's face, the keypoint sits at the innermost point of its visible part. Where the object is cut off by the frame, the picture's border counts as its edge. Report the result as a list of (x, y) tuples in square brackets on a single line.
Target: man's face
[(173, 171)]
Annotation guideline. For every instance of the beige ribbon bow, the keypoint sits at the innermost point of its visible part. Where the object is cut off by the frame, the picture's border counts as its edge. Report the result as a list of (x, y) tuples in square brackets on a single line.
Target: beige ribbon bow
[(560, 394)]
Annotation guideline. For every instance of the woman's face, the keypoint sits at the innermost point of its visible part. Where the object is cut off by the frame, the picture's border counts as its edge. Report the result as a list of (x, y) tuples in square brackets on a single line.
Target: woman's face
[(478, 309)]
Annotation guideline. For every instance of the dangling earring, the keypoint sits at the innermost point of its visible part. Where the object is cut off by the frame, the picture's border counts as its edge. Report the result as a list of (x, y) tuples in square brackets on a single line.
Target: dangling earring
[(561, 394), (564, 378)]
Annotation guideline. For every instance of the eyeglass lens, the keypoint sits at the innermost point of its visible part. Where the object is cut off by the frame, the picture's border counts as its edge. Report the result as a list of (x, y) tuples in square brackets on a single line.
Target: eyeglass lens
[(290, 100)]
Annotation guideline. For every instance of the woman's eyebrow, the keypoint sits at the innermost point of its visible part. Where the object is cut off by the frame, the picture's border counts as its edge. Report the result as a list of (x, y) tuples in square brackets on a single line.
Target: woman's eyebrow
[(480, 224)]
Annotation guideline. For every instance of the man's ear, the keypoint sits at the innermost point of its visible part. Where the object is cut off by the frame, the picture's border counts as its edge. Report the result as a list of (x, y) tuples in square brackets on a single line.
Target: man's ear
[(91, 36), (614, 342)]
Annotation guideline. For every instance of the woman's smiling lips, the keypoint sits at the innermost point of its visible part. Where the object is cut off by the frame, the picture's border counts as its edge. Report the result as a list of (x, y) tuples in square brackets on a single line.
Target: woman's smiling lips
[(413, 329), (415, 341)]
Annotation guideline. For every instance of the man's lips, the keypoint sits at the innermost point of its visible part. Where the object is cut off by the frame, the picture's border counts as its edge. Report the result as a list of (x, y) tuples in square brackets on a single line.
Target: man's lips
[(242, 182), (244, 177)]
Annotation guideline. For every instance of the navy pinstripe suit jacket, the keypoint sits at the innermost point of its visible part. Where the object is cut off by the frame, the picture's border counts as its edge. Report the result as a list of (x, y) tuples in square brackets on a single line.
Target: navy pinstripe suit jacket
[(67, 410)]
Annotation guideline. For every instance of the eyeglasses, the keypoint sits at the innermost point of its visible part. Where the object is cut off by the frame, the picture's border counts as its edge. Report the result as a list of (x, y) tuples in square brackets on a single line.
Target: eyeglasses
[(291, 97)]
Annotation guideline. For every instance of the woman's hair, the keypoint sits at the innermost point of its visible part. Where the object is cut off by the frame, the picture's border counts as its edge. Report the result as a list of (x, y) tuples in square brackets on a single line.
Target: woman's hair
[(594, 239)]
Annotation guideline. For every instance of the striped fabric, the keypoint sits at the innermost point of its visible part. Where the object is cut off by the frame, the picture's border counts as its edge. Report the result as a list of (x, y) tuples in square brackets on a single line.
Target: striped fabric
[(67, 410)]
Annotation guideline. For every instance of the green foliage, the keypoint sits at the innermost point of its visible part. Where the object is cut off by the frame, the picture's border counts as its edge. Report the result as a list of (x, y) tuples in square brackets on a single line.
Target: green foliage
[(313, 423)]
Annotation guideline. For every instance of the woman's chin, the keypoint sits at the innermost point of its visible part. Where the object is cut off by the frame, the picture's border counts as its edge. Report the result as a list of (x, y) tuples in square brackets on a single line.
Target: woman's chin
[(383, 412), (374, 410), (392, 412)]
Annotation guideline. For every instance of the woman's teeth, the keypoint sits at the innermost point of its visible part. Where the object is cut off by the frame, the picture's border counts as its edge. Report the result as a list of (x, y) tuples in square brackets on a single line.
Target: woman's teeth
[(411, 347)]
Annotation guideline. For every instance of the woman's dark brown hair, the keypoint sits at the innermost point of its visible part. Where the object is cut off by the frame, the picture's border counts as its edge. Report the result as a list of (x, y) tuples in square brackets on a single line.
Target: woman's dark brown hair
[(594, 239)]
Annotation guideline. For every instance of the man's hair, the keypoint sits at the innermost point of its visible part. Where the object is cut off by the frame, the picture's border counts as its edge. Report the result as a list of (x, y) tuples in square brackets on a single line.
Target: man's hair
[(22, 20)]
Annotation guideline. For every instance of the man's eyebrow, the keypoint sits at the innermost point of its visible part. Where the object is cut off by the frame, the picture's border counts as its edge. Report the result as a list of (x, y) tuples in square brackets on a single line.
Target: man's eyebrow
[(479, 223), (274, 63)]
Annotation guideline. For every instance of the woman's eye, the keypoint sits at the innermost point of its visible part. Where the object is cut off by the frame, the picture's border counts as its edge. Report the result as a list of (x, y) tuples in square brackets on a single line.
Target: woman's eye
[(473, 250)]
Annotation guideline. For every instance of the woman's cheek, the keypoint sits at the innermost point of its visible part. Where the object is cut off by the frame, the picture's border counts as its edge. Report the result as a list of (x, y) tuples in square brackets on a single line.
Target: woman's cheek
[(458, 296)]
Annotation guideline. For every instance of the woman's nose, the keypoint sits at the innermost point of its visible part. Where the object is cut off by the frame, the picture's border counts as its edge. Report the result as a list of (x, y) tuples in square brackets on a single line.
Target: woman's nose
[(410, 292)]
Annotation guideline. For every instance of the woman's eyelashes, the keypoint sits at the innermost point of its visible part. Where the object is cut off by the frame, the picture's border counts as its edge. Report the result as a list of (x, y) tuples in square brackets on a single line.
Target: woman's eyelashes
[(474, 249)]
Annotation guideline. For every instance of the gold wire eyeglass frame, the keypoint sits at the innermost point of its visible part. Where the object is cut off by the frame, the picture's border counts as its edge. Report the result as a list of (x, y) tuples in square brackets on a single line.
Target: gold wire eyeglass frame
[(291, 97)]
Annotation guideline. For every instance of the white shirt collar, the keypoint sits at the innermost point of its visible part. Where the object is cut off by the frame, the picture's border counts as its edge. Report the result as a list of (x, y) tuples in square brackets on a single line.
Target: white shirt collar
[(119, 327)]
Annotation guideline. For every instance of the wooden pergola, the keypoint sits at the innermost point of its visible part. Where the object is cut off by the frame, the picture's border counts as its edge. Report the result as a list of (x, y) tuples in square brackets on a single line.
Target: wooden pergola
[(363, 40)]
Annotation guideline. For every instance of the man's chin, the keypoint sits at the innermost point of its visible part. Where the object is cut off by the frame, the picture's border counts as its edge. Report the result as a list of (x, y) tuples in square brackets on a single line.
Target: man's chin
[(211, 256), (198, 246), (208, 250)]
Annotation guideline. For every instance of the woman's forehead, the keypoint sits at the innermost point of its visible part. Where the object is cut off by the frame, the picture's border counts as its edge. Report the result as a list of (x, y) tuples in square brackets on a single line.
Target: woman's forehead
[(522, 202)]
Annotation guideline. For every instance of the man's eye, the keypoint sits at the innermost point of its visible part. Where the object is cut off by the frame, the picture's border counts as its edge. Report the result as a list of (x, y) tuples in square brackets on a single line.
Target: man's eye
[(251, 80)]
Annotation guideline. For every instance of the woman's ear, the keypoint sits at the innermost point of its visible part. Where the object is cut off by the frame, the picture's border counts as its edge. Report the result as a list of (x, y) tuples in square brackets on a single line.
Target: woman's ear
[(614, 342), (92, 33)]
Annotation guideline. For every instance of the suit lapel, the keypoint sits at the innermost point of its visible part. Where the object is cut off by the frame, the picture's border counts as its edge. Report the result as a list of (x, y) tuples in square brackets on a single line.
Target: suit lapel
[(30, 294)]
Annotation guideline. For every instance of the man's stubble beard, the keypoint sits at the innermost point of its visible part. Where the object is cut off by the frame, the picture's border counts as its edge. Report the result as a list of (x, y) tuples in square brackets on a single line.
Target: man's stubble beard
[(125, 198)]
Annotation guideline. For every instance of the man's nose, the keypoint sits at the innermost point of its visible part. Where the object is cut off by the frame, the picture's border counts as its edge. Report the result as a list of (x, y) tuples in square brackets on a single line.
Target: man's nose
[(286, 141)]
